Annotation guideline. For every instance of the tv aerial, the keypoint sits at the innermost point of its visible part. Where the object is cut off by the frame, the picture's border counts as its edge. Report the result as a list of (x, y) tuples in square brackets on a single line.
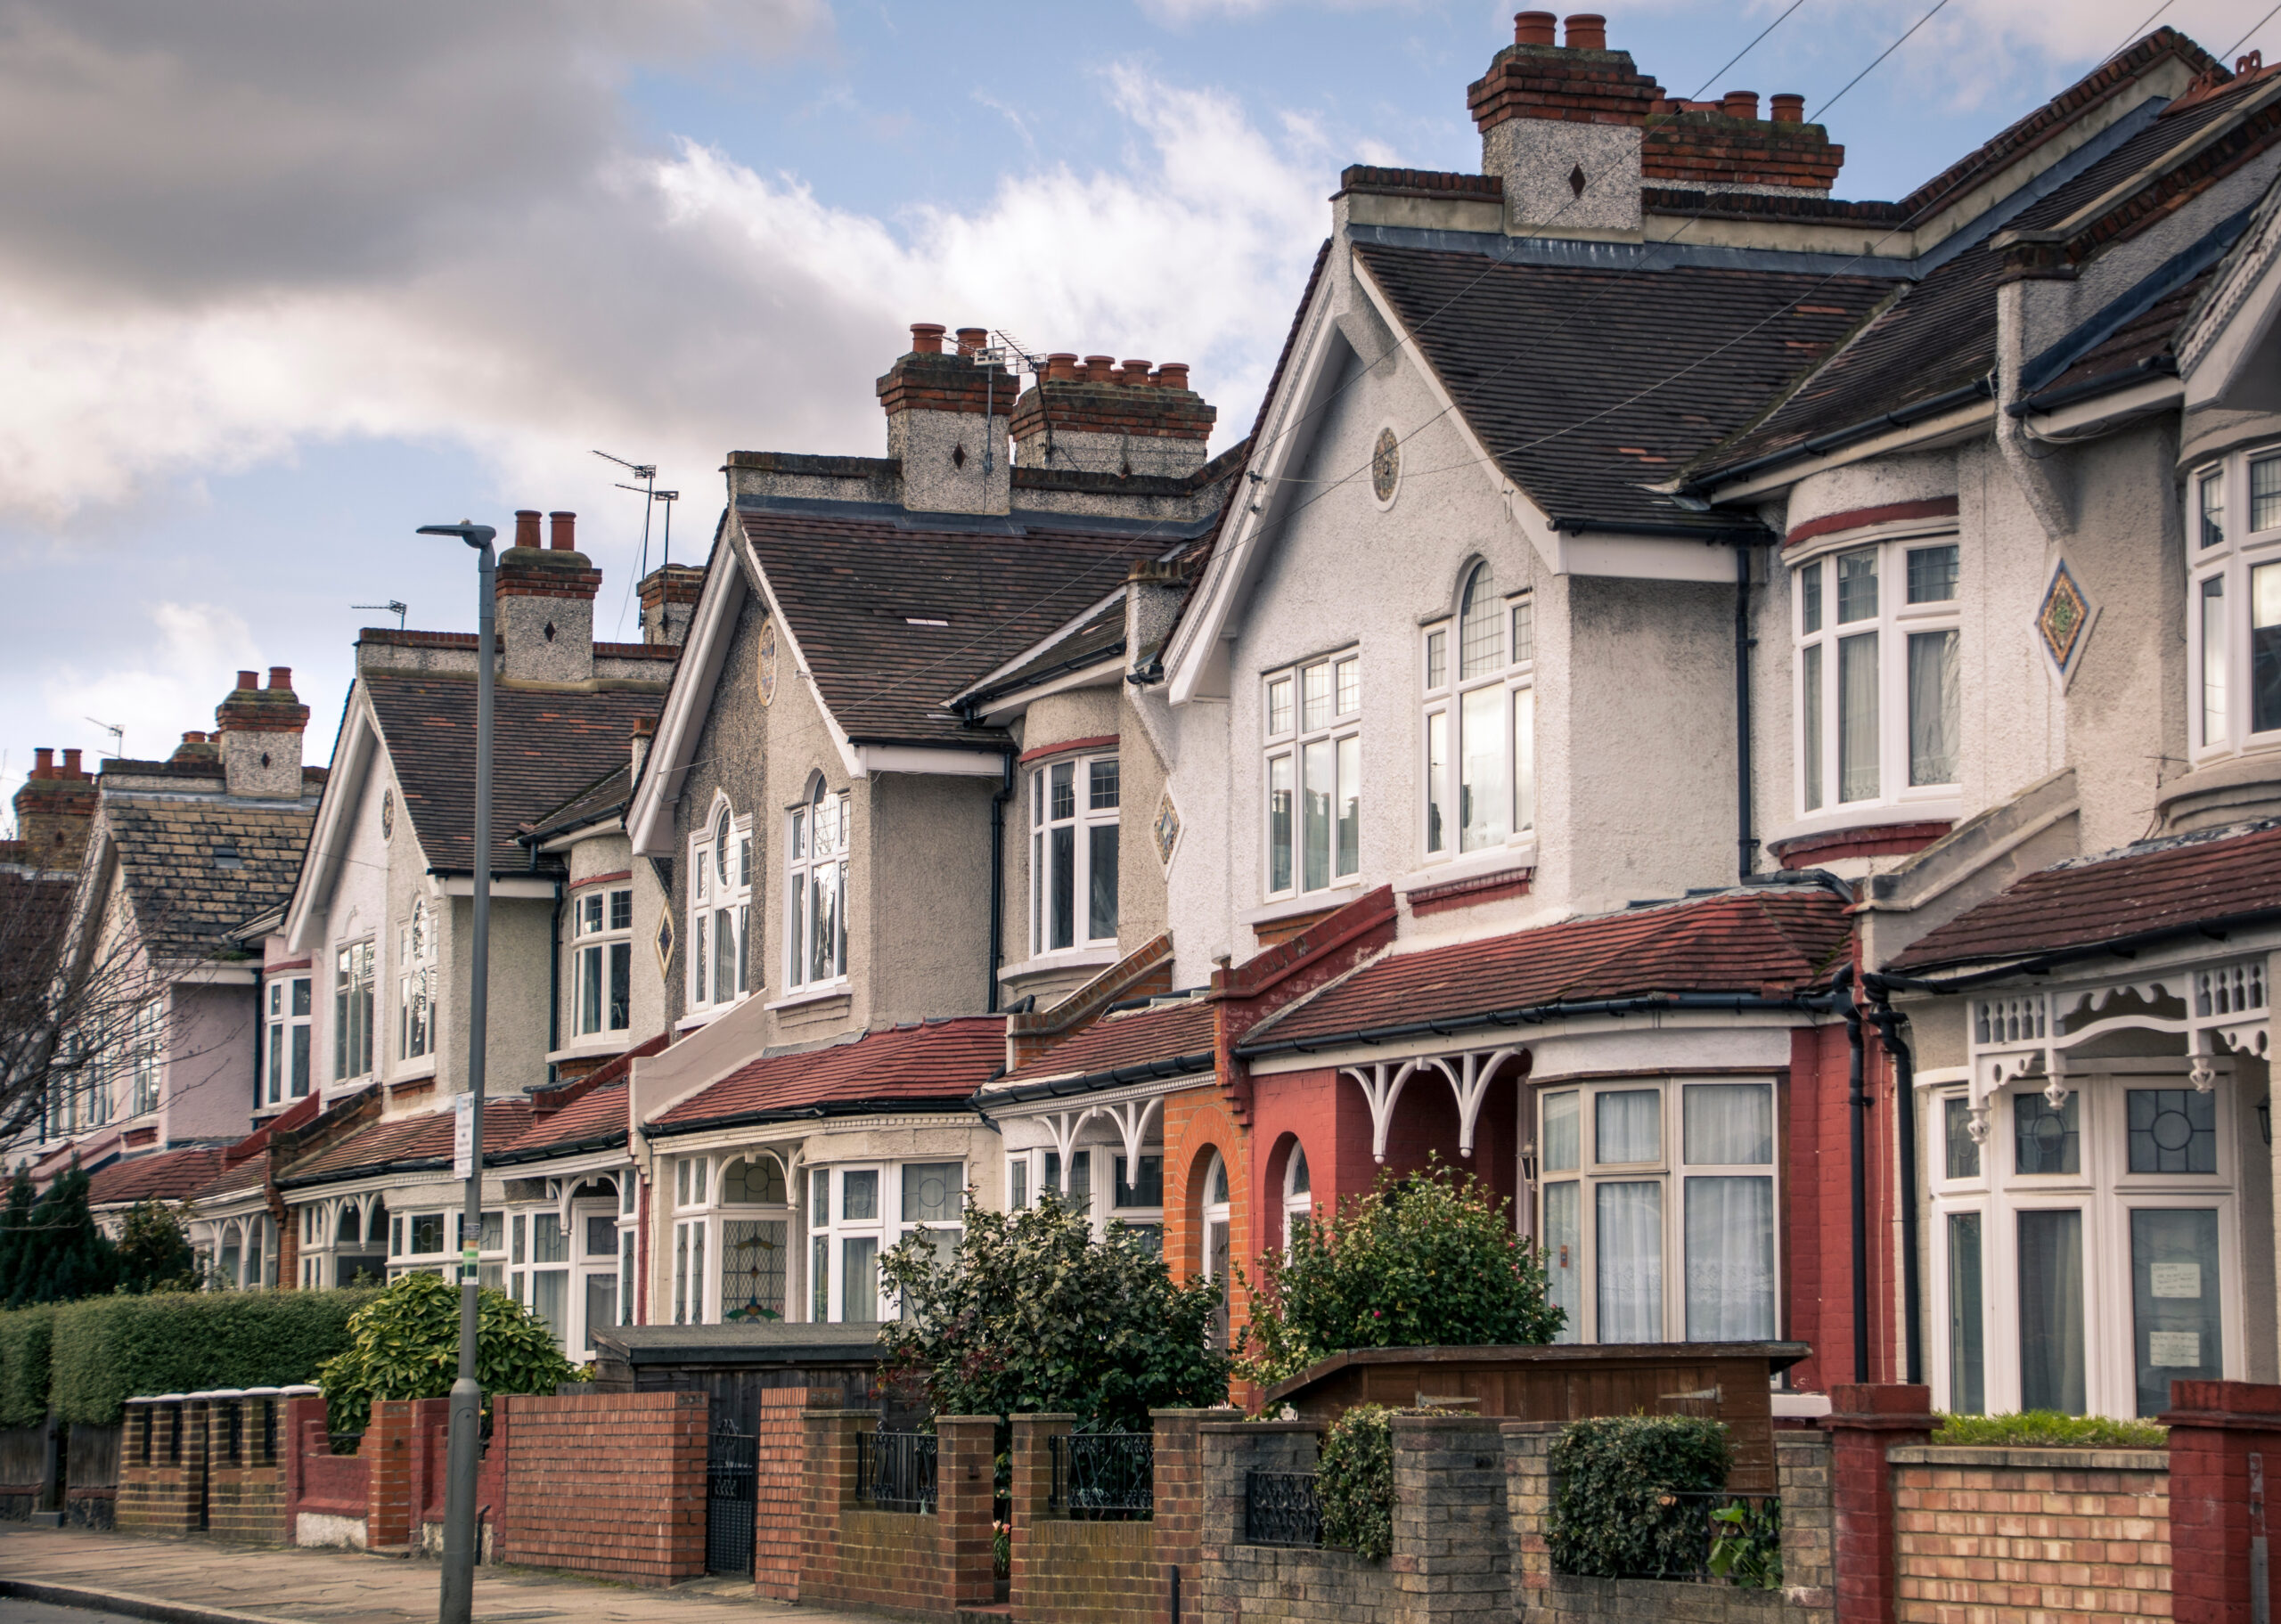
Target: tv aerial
[(117, 737), (394, 606)]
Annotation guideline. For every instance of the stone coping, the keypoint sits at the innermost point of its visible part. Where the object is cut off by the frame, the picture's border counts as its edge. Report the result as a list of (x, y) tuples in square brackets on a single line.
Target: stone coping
[(2032, 1460)]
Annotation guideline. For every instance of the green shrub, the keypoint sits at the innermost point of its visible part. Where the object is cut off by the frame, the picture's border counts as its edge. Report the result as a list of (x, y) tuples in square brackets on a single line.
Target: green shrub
[(108, 1349), (25, 1340), (1615, 1513), (153, 1253), (2045, 1429), (404, 1342), (1426, 1261)]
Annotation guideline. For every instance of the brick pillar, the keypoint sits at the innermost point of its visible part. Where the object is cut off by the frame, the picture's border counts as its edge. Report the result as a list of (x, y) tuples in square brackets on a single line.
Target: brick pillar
[(965, 1487), (2223, 1436), (1230, 1449), (829, 1489), (1802, 1476), (1032, 1493), (301, 1433), (386, 1450), (778, 1492), (1528, 1502), (1864, 1422), (1177, 1525), (1451, 1551)]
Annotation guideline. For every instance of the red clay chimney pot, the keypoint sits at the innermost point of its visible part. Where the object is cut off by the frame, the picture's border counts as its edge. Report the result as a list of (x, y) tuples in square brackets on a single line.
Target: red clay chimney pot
[(281, 677), (1588, 31), (71, 764), (927, 338), (1788, 108), (1534, 28), (1100, 369), (43, 764), (525, 526), (1136, 372), (973, 341), (1173, 375), (1739, 105), (249, 679), (564, 529), (1060, 367)]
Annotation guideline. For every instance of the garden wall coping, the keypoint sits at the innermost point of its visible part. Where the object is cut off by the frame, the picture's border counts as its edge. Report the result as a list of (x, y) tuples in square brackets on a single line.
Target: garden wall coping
[(2025, 1459)]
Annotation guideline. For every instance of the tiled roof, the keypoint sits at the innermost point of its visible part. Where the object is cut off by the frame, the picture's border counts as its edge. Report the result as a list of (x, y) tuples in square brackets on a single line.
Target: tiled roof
[(169, 1175), (1764, 941), (591, 804), (852, 582), (1095, 638), (33, 908), (237, 1178), (548, 745), (407, 1142), (1547, 363), (939, 1063), (2188, 882), (170, 853), (1159, 1035), (596, 1115), (2139, 343)]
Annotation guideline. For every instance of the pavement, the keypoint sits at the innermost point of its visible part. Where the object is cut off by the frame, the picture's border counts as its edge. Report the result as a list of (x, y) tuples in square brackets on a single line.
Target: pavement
[(176, 1580)]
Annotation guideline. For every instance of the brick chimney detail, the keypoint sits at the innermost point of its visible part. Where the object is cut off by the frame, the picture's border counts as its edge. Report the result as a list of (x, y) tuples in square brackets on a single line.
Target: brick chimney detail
[(669, 598), (946, 426), (259, 731), (546, 604), (1105, 418), (54, 806)]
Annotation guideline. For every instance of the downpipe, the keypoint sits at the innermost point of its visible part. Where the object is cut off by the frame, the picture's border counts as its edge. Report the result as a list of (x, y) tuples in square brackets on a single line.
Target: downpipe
[(1889, 1021)]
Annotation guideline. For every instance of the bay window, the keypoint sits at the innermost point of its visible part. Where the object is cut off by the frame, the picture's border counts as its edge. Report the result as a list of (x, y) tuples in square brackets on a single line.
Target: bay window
[(416, 986), (563, 1260), (1074, 812), (2235, 615), (1314, 774), (1879, 698), (1480, 732), (720, 912), (816, 888), (856, 1213), (352, 1010), (602, 962)]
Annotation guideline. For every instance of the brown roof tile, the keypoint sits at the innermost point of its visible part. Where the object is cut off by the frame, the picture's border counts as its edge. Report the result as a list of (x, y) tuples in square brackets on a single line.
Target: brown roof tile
[(1159, 1034), (937, 1062), (197, 867), (169, 1175), (407, 1142)]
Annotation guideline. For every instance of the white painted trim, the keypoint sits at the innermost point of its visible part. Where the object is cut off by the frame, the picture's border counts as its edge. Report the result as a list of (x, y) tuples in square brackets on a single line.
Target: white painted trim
[(1336, 894), (917, 759), (2074, 422), (1016, 700), (688, 701), (1644, 558), (1017, 661), (1066, 958), (514, 888), (1973, 418), (219, 976), (821, 992), (328, 839)]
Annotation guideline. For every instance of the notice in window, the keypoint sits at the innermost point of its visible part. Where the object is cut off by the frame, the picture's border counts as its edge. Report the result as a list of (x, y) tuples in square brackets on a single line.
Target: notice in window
[(2175, 1280), (2174, 1350)]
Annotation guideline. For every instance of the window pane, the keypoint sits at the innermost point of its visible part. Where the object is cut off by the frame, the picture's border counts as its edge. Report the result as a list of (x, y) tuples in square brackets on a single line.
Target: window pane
[(2045, 1140), (931, 1192), (859, 1196), (1481, 769), (1564, 1257), (2172, 1131), (301, 1062), (859, 1279), (550, 1301), (1523, 631), (1629, 1238), (1810, 724), (724, 955), (1318, 786), (602, 1304), (820, 1280), (1038, 888), (1017, 1184), (626, 1277), (1932, 708), (1314, 697), (2213, 660), (1062, 840), (1438, 781), (2264, 647), (1079, 1192), (1967, 1353), (1524, 759), (1149, 1191), (1437, 658), (1062, 792), (2174, 1301), (2211, 490), (1348, 692), (2051, 1311), (699, 937), (1101, 785), (301, 996), (1350, 804), (1728, 1124), (589, 962), (1857, 717), (621, 985), (1480, 626), (1857, 587), (1279, 824), (1628, 1125), (1810, 598), (1730, 1259), (2265, 493), (1963, 1152), (548, 1243), (1932, 574), (621, 902), (797, 937), (752, 1269), (1560, 1146), (428, 1232), (1101, 881), (1279, 706)]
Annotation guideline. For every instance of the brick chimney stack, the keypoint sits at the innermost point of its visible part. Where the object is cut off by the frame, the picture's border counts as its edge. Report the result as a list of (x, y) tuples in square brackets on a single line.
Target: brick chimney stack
[(259, 731), (1104, 416), (669, 598), (546, 602), (946, 424), (54, 806)]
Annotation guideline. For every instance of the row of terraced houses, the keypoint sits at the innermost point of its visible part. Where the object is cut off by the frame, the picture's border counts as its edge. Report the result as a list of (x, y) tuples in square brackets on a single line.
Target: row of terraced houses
[(1749, 720)]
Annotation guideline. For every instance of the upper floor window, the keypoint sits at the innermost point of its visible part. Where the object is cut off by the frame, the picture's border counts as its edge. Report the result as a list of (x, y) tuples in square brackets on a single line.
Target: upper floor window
[(145, 1052), (352, 1010), (416, 986), (602, 985), (2234, 605), (816, 888), (720, 912), (1877, 691), (1073, 810), (288, 1039), (1481, 720), (1314, 774)]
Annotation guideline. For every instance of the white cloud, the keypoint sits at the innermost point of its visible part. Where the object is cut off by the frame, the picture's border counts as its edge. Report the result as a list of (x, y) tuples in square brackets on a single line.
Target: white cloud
[(188, 666)]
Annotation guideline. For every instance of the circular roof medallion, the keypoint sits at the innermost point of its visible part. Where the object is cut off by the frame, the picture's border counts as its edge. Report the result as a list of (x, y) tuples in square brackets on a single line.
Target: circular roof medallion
[(1385, 465)]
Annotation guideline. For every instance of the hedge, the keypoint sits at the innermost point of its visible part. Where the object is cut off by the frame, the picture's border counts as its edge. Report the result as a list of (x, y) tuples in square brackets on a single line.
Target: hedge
[(24, 1342), (1616, 1506), (2043, 1429), (108, 1349)]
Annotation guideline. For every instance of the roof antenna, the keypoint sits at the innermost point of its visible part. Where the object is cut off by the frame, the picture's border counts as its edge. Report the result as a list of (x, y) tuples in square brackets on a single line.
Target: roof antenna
[(117, 737), (647, 472), (394, 606), (1005, 352)]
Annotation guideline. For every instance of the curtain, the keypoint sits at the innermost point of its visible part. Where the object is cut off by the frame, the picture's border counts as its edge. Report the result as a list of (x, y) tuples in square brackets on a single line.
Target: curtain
[(1729, 1124), (1631, 1247), (1316, 771), (1810, 724), (550, 1301), (1967, 1360), (1730, 1260), (1524, 753), (1627, 1125), (1560, 1146), (1563, 1253), (2213, 660), (2051, 1311), (1857, 717), (859, 1279), (1932, 703), (1481, 769)]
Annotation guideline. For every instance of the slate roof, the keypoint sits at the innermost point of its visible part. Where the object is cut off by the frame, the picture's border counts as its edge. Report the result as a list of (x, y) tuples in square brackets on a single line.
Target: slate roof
[(1096, 637), (2156, 888), (595, 804), (1547, 363), (549, 744), (167, 1175), (1761, 941), (1163, 1038), (170, 849), (405, 1144), (934, 1063)]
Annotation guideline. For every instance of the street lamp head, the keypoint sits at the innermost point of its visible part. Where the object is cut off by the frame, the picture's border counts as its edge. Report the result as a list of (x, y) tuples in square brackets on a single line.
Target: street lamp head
[(474, 536)]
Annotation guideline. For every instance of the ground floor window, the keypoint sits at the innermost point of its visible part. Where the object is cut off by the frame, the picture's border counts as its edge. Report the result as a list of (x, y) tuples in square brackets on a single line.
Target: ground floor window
[(854, 1213), (564, 1262)]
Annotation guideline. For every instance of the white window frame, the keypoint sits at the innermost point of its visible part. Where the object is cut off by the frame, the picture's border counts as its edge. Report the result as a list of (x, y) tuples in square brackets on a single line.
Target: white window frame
[(1089, 815), (417, 985), (1216, 1231), (354, 1007), (1291, 730), (319, 1244), (601, 959), (1815, 683), (815, 870), (1447, 687), (145, 1055), (828, 1230), (1298, 1197), (290, 1062), (700, 1215), (721, 858), (2230, 566)]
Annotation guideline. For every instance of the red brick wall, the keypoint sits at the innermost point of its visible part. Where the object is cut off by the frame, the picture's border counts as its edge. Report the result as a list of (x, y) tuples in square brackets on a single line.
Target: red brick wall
[(1817, 1216), (165, 1493), (606, 1483), (1107, 1573), (2222, 1436), (246, 1497), (386, 1453), (913, 1564), (777, 1488)]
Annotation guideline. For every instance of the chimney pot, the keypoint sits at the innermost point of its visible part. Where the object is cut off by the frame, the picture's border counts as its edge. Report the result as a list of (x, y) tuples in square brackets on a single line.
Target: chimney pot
[(527, 527), (193, 738), (1100, 369), (1060, 367), (973, 341), (927, 338), (1534, 28), (249, 679), (281, 677), (1173, 375), (1788, 109), (1739, 105), (564, 527), (71, 764), (43, 764), (1136, 372), (1588, 31)]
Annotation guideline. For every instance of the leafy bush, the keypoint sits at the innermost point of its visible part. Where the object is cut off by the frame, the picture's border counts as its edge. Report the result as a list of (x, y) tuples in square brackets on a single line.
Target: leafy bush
[(153, 1253), (108, 1349), (1426, 1261), (404, 1342), (1030, 1313), (26, 1338), (1614, 1487), (2045, 1429)]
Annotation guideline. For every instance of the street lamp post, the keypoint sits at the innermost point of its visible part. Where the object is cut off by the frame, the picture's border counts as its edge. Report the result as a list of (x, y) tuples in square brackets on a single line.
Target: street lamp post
[(465, 1443)]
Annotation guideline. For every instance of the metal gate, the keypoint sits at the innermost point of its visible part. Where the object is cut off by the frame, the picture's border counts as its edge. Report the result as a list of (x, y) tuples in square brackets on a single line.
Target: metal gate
[(731, 1475)]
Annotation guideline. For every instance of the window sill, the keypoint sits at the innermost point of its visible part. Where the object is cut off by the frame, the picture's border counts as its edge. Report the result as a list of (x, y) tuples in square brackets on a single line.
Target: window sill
[(1336, 895), (1066, 958), (422, 1070), (1472, 865), (599, 1043), (1947, 806), (812, 995)]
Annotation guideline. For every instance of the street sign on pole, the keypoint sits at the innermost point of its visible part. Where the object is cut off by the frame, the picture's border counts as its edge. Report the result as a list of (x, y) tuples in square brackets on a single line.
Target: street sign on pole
[(462, 1135)]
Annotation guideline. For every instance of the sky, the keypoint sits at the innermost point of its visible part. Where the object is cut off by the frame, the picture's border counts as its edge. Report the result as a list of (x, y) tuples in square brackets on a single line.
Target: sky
[(282, 281)]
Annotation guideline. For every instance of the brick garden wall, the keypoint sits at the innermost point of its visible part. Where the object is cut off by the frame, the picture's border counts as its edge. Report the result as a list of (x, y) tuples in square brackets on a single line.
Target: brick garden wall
[(1106, 1572), (605, 1484), (782, 1462), (913, 1564)]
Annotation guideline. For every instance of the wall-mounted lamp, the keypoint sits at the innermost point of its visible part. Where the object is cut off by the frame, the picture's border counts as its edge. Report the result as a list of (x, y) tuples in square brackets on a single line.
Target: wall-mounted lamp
[(2265, 1118)]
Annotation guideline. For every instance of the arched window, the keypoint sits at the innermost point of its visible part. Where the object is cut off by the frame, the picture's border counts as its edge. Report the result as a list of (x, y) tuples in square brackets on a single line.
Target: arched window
[(1297, 1196), (1481, 721), (734, 1211), (415, 986), (720, 910), (1216, 1258), (816, 888)]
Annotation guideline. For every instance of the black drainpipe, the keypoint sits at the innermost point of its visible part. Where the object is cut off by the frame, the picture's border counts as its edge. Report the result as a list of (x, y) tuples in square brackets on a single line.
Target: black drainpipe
[(1857, 1105), (1744, 837), (998, 877), (1888, 1022)]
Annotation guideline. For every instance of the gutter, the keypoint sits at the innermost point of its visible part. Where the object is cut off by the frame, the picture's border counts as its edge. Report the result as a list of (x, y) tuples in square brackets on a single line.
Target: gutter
[(1537, 1015), (1932, 405), (2121, 946), (2163, 365), (1739, 532), (809, 1114), (614, 1139), (1058, 1088), (979, 698)]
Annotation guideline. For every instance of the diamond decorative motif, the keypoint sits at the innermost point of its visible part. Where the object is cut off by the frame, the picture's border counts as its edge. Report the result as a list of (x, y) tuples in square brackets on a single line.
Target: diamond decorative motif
[(1166, 829), (2061, 620), (665, 942), (1385, 465)]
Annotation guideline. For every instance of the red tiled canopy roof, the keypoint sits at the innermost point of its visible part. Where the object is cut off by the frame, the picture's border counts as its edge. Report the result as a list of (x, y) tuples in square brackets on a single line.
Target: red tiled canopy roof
[(1761, 942), (598, 1115), (170, 1175), (1163, 1034), (407, 1141), (939, 1063)]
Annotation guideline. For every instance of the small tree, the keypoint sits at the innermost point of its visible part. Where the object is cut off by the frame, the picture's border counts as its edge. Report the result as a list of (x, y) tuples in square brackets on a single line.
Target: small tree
[(154, 1255), (16, 1232), (1426, 1261), (64, 1256), (405, 1345), (1029, 1312)]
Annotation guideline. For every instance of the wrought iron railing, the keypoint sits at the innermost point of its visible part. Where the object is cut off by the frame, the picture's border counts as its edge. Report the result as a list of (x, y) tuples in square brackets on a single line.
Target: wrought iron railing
[(1103, 1477), (895, 1471), (1281, 1508)]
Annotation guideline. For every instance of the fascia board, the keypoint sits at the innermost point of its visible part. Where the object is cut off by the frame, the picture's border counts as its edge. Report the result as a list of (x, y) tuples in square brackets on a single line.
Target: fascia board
[(688, 702), (1041, 644), (1015, 701), (344, 787), (1975, 418), (512, 889), (1646, 557), (2105, 412), (219, 976), (921, 759)]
